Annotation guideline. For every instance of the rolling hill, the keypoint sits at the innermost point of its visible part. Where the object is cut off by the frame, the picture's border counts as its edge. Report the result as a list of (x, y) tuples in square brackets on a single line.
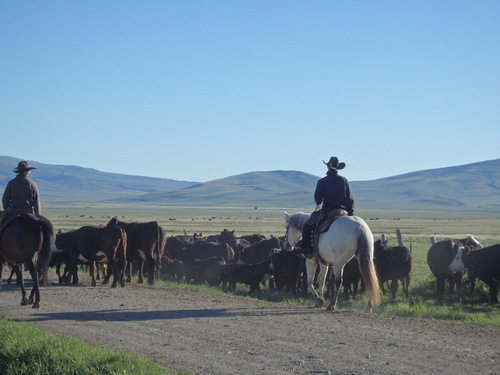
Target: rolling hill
[(471, 187), (66, 183)]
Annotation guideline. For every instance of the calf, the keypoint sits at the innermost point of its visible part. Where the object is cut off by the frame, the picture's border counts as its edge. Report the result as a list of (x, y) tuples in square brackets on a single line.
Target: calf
[(484, 264), (249, 274), (393, 263), (202, 270), (286, 267)]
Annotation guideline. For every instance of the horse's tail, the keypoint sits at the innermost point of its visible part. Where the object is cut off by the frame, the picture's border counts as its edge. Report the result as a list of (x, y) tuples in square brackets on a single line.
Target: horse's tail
[(47, 238), (368, 272)]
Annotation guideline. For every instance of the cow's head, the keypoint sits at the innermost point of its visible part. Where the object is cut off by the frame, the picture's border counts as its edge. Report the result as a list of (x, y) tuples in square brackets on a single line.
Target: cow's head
[(113, 221), (471, 242), (457, 264)]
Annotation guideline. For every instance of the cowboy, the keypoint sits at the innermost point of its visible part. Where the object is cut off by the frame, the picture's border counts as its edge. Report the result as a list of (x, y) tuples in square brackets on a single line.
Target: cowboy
[(21, 194), (334, 192)]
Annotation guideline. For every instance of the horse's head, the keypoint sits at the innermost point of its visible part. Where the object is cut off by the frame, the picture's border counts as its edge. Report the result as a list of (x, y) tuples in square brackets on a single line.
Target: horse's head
[(294, 224)]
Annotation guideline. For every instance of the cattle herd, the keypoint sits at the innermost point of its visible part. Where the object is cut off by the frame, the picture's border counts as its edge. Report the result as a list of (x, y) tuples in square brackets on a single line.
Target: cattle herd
[(120, 249)]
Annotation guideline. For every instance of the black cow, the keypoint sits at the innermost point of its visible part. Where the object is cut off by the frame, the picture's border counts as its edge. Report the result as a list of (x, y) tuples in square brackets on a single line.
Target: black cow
[(484, 264), (286, 267), (260, 250), (249, 274), (203, 250), (351, 279), (91, 245), (202, 271), (145, 243), (439, 257), (393, 263)]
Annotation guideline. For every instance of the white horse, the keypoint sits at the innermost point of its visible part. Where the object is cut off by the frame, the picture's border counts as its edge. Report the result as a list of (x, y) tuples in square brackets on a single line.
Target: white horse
[(347, 237)]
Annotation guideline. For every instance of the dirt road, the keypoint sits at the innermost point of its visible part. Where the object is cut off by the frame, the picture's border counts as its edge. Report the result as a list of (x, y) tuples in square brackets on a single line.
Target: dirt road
[(221, 334)]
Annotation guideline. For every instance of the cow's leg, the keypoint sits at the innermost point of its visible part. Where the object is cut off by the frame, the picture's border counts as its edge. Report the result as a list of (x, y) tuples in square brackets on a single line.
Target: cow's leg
[(406, 286), (113, 267), (394, 288), (92, 271), (493, 290), (128, 271), (440, 281), (151, 271), (338, 272), (140, 266)]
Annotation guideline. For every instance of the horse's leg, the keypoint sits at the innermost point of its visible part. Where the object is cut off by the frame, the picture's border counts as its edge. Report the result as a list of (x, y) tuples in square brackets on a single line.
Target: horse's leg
[(311, 266), (35, 292), (20, 282)]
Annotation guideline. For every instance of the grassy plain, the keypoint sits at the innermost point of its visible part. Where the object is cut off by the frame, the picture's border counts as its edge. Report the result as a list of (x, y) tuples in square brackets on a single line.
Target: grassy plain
[(417, 227)]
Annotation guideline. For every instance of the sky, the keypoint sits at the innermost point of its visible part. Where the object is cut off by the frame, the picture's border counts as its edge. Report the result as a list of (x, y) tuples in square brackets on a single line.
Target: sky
[(202, 90)]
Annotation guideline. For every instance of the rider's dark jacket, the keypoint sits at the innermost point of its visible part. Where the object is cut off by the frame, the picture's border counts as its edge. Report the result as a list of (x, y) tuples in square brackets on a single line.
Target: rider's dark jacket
[(334, 192), (21, 195)]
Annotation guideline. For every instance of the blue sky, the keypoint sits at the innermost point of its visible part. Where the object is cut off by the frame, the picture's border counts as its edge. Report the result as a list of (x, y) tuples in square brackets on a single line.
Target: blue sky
[(201, 90)]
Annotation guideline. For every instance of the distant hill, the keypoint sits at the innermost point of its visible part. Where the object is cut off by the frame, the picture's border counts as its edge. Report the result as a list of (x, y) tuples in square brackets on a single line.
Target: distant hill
[(471, 187), (66, 183), (467, 187)]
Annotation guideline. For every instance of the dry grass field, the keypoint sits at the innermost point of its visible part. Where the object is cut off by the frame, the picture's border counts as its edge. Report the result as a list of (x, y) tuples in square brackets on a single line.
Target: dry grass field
[(416, 226)]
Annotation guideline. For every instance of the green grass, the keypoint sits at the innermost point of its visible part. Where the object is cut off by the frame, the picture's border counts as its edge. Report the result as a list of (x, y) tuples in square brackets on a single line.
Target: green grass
[(27, 350)]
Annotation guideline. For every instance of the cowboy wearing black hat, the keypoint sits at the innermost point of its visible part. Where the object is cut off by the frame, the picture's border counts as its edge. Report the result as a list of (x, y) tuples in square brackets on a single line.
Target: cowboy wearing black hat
[(334, 193), (21, 194)]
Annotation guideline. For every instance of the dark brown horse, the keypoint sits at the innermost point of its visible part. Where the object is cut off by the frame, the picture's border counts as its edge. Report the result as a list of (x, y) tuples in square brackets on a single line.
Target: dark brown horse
[(28, 239)]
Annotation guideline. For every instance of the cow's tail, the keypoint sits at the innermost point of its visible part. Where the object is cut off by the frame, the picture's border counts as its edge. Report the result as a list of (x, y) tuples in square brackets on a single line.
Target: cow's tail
[(368, 271)]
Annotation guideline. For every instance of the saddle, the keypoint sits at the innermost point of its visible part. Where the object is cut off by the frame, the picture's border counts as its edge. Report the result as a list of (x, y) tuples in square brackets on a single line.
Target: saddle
[(324, 225)]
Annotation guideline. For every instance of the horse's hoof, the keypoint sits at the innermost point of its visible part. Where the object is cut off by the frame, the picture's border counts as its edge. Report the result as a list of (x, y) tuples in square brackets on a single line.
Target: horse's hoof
[(113, 285), (30, 301), (330, 307), (122, 284), (24, 302), (36, 305)]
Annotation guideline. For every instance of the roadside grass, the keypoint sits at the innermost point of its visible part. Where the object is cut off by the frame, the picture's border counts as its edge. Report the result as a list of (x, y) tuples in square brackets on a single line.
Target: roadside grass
[(473, 308), (27, 350)]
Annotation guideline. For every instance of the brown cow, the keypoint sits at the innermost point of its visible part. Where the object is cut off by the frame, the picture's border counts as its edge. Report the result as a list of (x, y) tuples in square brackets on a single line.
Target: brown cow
[(91, 244), (145, 243)]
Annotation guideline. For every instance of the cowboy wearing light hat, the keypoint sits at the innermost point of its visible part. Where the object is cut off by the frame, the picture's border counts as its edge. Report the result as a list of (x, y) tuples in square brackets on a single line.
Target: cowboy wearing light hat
[(21, 194), (334, 192)]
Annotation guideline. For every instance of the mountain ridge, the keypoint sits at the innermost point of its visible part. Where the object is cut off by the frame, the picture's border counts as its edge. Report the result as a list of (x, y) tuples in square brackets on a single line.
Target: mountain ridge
[(470, 187)]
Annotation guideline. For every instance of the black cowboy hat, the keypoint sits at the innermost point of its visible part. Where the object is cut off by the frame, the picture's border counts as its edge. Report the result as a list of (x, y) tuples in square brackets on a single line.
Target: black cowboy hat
[(333, 163), (23, 166)]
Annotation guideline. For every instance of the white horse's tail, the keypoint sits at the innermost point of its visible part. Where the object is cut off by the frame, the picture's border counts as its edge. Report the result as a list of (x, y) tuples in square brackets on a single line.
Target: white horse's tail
[(368, 272)]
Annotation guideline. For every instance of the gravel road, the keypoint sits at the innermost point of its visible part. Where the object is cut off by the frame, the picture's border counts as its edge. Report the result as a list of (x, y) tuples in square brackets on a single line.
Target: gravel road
[(203, 333)]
